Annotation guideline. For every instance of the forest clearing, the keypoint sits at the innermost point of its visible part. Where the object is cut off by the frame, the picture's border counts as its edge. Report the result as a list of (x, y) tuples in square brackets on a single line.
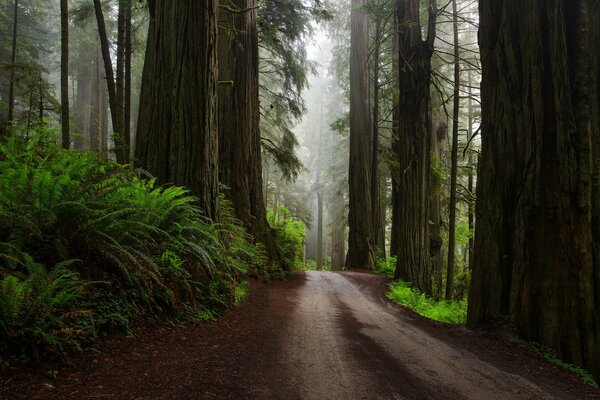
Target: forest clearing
[(300, 199)]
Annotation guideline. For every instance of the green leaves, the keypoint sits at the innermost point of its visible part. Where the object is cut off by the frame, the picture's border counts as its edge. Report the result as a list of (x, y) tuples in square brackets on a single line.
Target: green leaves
[(151, 247)]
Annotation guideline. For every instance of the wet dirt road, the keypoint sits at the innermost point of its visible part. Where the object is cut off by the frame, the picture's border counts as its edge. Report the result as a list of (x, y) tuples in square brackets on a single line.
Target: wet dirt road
[(316, 336)]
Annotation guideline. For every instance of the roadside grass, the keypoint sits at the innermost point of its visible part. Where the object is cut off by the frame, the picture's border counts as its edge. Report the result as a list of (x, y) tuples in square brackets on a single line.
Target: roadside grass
[(442, 311), (551, 356)]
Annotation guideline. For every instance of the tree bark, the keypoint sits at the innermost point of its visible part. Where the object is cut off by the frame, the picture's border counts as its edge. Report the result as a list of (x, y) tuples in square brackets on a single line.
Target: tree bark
[(537, 258), (411, 145), (177, 138), (361, 240), (239, 128), (128, 77), (454, 161), (378, 228), (64, 74)]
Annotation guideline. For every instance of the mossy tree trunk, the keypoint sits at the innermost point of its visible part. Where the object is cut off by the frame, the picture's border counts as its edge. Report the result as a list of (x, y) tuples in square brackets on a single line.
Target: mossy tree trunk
[(177, 138), (537, 244)]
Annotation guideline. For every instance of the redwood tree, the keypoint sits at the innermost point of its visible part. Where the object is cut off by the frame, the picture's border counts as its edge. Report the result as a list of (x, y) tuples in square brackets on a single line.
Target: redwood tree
[(361, 240), (411, 146), (537, 244), (177, 138), (239, 116), (64, 73)]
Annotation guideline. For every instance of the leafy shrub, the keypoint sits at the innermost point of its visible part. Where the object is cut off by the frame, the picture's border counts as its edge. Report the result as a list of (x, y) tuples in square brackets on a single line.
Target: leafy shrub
[(145, 251), (452, 313), (39, 309), (386, 266), (289, 236)]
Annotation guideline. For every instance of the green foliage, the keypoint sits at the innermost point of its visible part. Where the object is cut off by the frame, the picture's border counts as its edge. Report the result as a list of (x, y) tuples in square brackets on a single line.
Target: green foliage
[(39, 309), (551, 356), (148, 250), (289, 235), (386, 266), (452, 313)]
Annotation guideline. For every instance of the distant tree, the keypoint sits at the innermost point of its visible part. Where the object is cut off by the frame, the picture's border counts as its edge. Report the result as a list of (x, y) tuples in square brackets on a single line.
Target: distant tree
[(361, 241), (411, 145), (64, 73), (13, 67), (537, 240), (177, 137)]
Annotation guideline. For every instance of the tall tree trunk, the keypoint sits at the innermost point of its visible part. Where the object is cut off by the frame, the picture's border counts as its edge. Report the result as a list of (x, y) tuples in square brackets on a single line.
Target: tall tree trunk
[(128, 78), (239, 117), (120, 147), (411, 146), (361, 252), (320, 252), (13, 64), (454, 161), (537, 257), (177, 138), (435, 210), (114, 99), (338, 225), (64, 74), (471, 169), (375, 182)]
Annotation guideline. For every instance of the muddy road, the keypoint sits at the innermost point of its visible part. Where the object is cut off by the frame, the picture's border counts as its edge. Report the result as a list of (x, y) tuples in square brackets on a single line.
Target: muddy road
[(317, 336)]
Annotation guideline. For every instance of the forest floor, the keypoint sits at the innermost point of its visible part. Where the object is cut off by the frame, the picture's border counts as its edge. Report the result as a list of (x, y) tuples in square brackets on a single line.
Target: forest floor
[(316, 336)]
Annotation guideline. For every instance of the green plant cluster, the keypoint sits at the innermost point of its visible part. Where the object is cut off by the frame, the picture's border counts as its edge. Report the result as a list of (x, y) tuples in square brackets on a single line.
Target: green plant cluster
[(551, 356), (89, 248), (289, 236), (386, 266), (452, 313)]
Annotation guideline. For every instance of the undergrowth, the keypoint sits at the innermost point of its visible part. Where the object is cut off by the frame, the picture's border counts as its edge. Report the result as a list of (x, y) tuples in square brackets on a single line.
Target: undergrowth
[(452, 313), (551, 356), (289, 236), (89, 248)]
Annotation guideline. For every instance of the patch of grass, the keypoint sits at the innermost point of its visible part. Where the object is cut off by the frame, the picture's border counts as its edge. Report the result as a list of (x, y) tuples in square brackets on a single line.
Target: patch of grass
[(451, 313), (551, 356)]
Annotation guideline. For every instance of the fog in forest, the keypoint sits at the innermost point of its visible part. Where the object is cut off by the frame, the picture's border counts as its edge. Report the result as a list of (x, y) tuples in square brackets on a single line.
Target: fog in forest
[(164, 161)]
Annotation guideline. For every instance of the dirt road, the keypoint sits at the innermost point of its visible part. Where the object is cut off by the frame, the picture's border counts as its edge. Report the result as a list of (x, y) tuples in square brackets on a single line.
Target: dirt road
[(317, 336)]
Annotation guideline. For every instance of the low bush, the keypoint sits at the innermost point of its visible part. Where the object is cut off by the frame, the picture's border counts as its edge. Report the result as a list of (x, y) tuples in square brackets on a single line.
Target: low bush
[(452, 313), (289, 236), (88, 248), (386, 266)]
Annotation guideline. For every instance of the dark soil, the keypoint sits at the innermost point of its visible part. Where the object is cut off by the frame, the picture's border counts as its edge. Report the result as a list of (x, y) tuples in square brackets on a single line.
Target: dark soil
[(316, 336)]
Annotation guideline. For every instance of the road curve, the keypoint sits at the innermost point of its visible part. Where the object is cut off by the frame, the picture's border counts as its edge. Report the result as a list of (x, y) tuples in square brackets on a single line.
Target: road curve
[(316, 336), (346, 343)]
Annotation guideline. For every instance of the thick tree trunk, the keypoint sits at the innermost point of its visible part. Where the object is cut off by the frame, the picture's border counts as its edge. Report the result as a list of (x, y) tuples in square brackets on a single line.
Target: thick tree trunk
[(338, 228), (453, 162), (239, 116), (435, 212), (411, 146), (536, 247), (177, 138), (361, 239), (379, 239), (64, 74)]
